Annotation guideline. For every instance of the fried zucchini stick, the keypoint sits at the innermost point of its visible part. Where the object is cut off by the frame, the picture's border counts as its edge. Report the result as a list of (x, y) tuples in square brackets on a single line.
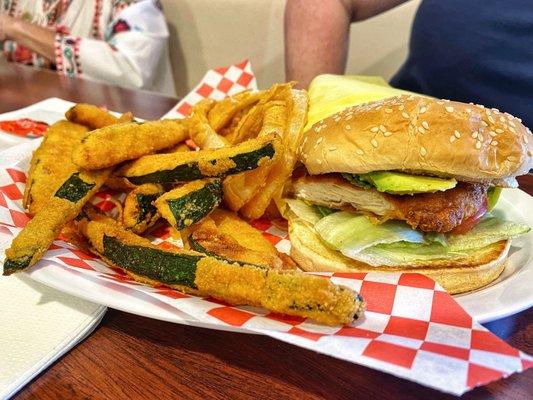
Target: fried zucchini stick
[(205, 237), (67, 202), (51, 164), (190, 203), (287, 292), (139, 212), (190, 166), (114, 144), (94, 117)]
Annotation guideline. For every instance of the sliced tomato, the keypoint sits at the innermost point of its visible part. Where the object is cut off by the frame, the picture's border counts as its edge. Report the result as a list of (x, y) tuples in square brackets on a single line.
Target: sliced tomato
[(24, 127), (470, 222)]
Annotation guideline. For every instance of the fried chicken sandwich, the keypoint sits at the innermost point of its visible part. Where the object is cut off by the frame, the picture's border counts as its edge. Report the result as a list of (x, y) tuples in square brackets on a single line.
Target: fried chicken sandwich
[(409, 184)]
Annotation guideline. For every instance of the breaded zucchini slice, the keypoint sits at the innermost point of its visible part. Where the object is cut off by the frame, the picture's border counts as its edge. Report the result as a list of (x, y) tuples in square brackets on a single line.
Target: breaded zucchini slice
[(190, 203), (114, 144), (287, 292), (139, 212), (51, 164), (190, 166), (67, 202)]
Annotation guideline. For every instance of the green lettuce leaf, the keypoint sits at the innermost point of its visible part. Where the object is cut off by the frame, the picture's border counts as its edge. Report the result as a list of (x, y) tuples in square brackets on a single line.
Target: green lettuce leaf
[(350, 232)]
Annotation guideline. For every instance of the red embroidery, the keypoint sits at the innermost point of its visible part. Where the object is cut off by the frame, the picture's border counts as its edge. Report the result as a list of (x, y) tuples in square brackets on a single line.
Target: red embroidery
[(96, 19)]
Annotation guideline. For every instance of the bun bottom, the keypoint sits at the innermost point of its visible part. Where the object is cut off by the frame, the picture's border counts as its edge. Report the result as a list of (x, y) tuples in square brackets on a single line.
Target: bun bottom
[(456, 277)]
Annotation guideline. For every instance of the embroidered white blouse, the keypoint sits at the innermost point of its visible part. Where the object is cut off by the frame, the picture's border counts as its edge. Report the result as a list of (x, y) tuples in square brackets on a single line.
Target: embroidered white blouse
[(123, 42)]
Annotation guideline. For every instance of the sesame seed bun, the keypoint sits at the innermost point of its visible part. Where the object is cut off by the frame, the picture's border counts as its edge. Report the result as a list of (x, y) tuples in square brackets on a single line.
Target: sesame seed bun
[(421, 135), (457, 276)]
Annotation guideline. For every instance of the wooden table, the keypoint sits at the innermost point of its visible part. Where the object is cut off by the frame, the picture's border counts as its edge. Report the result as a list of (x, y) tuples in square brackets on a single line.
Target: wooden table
[(134, 357)]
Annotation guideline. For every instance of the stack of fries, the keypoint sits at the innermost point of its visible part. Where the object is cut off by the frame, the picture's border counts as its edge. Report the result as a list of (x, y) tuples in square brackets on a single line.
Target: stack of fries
[(195, 174)]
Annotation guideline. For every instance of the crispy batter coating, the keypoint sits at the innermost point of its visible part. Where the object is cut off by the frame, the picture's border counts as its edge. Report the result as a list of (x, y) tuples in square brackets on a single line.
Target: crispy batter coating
[(114, 144), (288, 292), (139, 213), (441, 211), (94, 117), (204, 163), (33, 241), (428, 212), (205, 237), (51, 164), (285, 292), (224, 112)]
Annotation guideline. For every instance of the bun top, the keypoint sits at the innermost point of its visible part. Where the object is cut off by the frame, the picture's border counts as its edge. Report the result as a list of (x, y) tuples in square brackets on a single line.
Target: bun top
[(421, 135)]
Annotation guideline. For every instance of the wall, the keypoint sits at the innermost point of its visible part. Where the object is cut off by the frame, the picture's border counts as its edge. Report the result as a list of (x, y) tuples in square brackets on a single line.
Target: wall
[(212, 33)]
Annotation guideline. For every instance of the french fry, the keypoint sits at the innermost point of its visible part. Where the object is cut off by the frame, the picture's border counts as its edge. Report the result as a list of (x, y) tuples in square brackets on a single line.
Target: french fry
[(281, 170), (240, 188), (251, 123), (226, 110), (201, 131)]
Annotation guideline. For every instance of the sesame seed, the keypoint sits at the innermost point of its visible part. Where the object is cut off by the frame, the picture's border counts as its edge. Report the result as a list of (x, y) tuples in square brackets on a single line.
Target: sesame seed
[(484, 123), (336, 119), (468, 111), (319, 161), (386, 134), (374, 142), (512, 123), (305, 140), (375, 129), (388, 110), (474, 135), (492, 133), (457, 134), (452, 139), (349, 117), (382, 128), (425, 125), (423, 110), (519, 119), (494, 143), (478, 145), (320, 139), (480, 138), (491, 119), (480, 106), (332, 148), (440, 102), (512, 129), (421, 130), (423, 151), (401, 108), (360, 152), (449, 109), (405, 115), (347, 127), (498, 130), (502, 119)]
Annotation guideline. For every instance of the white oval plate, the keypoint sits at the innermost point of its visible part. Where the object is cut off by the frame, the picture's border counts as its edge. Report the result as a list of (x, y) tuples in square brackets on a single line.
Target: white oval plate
[(512, 292), (509, 294)]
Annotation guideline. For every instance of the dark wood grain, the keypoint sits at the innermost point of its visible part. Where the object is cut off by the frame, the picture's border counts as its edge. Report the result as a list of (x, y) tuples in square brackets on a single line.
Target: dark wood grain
[(134, 357)]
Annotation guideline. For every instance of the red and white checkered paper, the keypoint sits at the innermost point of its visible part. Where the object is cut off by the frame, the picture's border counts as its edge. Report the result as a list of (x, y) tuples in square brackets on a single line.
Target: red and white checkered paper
[(412, 328)]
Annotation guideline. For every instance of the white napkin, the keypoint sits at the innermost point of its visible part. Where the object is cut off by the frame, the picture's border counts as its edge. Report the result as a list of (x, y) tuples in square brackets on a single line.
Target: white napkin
[(38, 324)]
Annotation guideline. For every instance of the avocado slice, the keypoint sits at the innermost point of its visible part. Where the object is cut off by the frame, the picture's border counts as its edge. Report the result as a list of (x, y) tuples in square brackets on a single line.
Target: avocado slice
[(401, 183), (493, 195)]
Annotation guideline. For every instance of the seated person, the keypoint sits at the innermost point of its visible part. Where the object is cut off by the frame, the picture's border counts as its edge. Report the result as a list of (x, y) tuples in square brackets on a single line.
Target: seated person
[(477, 51), (123, 42)]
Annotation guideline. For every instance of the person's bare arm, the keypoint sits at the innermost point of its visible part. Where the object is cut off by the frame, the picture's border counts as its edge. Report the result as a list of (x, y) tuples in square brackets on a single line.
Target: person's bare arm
[(34, 37), (317, 34)]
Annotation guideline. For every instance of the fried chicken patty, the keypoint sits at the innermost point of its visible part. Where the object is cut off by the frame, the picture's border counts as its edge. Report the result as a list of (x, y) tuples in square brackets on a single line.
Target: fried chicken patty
[(429, 212)]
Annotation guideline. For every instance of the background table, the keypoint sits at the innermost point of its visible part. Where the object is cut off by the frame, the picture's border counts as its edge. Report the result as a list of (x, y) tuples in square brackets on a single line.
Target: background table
[(134, 357)]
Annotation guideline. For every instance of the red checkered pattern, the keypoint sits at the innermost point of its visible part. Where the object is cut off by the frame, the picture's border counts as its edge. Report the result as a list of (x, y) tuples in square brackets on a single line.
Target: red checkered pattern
[(412, 328), (217, 84)]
